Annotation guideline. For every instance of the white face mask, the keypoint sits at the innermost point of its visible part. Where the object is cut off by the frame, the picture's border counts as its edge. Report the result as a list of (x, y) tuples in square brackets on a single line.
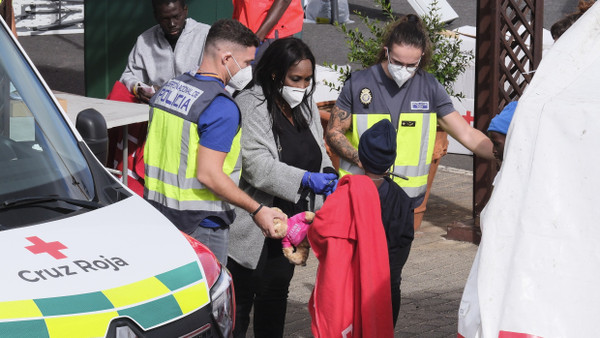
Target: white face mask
[(241, 78), (293, 95), (399, 73)]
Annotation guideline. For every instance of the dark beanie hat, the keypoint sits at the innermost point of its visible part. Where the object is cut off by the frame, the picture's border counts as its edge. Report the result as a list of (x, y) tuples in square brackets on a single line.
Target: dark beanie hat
[(377, 147)]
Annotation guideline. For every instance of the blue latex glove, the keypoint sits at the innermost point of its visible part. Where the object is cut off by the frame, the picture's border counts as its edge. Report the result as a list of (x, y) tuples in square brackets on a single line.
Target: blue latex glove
[(332, 188), (319, 183)]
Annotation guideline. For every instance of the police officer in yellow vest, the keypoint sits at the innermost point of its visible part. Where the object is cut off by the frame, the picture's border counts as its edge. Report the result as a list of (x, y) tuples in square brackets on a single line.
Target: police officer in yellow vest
[(399, 89), (192, 150)]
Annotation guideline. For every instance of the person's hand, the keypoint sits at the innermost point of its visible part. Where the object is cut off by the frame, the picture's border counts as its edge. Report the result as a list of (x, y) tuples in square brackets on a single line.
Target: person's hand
[(265, 217), (319, 183), (143, 92)]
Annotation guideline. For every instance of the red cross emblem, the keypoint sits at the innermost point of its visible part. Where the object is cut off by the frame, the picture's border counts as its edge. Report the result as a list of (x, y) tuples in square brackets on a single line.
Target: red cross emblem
[(468, 117), (51, 248)]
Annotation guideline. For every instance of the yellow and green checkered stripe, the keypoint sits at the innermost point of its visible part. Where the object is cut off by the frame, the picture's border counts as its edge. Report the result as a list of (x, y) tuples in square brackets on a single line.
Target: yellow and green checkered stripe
[(149, 302)]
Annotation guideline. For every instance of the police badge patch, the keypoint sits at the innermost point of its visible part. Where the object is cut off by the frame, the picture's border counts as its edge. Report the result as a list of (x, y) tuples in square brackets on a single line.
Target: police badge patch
[(366, 96)]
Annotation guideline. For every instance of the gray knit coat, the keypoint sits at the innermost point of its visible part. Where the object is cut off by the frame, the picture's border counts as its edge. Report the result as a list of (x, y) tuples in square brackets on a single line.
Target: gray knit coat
[(263, 175)]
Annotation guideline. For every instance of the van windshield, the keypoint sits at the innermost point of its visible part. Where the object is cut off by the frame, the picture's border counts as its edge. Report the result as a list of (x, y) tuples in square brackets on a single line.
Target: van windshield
[(39, 155)]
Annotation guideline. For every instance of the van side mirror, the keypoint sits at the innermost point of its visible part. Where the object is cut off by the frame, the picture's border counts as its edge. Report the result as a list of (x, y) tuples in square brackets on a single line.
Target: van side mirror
[(92, 127)]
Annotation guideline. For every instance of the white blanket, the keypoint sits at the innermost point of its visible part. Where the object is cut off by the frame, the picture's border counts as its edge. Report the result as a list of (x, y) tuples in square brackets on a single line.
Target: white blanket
[(537, 271)]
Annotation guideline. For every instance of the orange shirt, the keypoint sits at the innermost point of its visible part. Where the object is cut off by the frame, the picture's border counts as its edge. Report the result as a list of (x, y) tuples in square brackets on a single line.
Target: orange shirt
[(252, 13)]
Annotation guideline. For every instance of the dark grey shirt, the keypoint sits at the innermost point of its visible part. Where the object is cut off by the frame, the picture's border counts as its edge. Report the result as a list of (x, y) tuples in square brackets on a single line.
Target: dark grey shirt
[(422, 93)]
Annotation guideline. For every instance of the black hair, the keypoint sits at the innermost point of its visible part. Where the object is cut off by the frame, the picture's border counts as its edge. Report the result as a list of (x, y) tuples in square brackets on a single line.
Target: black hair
[(408, 30), (231, 31), (156, 3), (561, 26), (270, 74)]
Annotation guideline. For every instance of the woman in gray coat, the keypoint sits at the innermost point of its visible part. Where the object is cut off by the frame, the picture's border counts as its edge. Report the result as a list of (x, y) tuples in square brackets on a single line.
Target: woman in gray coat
[(285, 165)]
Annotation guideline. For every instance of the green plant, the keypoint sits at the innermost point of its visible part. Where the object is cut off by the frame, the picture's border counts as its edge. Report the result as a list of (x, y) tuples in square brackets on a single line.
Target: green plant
[(363, 50), (447, 61)]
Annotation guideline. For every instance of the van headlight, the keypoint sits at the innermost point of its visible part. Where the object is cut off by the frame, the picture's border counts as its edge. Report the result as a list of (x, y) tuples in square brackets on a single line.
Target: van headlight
[(223, 303)]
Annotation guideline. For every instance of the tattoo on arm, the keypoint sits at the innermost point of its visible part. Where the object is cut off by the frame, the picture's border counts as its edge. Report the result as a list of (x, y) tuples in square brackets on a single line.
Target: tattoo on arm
[(338, 120), (342, 114), (339, 123)]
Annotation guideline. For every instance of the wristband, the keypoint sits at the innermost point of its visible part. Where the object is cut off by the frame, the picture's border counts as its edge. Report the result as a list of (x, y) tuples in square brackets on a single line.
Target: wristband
[(252, 214), (135, 89)]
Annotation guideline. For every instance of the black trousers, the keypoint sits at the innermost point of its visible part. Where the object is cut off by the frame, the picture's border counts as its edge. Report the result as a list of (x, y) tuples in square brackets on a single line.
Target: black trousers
[(398, 257), (266, 288)]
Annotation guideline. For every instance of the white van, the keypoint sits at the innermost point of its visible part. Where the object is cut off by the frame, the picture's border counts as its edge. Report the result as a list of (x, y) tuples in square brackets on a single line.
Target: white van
[(82, 256)]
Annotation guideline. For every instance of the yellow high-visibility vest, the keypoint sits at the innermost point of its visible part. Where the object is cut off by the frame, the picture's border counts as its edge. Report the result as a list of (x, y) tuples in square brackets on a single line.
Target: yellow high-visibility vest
[(171, 151)]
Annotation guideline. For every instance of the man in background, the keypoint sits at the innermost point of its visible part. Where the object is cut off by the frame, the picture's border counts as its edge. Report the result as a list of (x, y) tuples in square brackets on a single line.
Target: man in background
[(164, 51)]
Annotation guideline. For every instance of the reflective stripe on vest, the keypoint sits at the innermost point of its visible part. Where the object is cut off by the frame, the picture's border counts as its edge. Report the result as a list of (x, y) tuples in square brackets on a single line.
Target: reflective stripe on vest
[(415, 139), (169, 181)]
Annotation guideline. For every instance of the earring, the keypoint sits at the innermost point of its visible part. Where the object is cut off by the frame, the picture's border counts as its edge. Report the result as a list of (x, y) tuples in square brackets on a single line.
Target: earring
[(273, 77)]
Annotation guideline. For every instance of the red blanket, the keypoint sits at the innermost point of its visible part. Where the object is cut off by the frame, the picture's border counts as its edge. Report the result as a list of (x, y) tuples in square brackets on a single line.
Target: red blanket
[(137, 139), (352, 296)]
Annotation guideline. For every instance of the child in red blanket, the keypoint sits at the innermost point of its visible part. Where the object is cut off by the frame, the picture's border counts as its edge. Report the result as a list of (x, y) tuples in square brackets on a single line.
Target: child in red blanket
[(362, 237)]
